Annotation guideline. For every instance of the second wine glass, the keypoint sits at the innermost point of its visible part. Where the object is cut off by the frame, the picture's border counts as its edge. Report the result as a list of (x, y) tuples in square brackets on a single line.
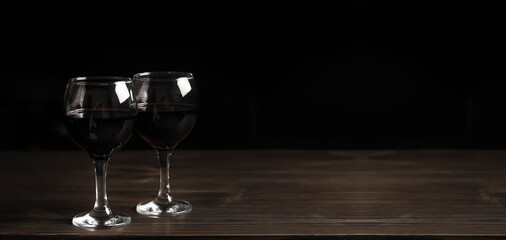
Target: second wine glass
[(167, 103)]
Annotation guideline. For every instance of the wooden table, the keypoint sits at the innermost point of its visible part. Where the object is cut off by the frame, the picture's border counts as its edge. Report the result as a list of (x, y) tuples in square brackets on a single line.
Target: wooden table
[(267, 194)]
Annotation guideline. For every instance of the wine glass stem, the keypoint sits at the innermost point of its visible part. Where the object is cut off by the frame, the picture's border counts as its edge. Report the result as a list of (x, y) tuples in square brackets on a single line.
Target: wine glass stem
[(101, 207), (164, 192)]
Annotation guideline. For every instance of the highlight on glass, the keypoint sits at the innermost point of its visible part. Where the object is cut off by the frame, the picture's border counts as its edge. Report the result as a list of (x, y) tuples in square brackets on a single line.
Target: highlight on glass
[(167, 104), (99, 115)]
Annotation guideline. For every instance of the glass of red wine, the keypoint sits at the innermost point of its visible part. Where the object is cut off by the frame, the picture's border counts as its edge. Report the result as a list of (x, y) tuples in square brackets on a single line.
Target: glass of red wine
[(167, 103), (100, 114)]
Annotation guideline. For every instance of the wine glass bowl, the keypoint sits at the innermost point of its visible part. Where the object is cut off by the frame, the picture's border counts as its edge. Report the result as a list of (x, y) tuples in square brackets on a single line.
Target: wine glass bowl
[(99, 115), (167, 104)]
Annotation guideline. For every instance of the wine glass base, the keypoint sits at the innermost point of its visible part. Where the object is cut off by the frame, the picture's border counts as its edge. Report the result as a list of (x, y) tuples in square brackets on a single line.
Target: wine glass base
[(85, 220), (174, 208)]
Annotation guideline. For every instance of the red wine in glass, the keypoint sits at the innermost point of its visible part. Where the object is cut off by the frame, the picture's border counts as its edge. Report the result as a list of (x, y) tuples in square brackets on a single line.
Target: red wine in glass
[(100, 131), (164, 125)]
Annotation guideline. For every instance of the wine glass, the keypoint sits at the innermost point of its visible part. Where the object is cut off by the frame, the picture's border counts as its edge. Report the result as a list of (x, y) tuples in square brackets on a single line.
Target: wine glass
[(166, 103), (100, 115)]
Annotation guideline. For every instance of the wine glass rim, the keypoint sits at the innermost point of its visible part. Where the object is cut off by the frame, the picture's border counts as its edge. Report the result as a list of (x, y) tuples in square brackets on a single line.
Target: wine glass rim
[(101, 79), (162, 74)]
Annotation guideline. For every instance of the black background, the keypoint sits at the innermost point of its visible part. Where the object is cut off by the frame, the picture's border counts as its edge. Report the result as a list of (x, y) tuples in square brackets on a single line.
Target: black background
[(361, 75)]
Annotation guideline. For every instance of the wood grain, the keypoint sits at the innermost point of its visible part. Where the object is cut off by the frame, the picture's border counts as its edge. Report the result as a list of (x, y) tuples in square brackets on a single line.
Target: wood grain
[(267, 194)]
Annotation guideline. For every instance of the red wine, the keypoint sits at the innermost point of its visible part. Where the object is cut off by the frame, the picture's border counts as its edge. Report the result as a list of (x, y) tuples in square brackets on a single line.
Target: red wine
[(164, 125), (100, 131)]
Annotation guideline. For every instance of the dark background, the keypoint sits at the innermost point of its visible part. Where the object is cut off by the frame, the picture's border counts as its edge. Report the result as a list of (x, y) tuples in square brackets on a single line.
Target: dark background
[(365, 75)]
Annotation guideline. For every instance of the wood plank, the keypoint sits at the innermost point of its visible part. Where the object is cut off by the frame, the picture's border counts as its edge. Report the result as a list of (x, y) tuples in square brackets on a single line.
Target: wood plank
[(271, 194)]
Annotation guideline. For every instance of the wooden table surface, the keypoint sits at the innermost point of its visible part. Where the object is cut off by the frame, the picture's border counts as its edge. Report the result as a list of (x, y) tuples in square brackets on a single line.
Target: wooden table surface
[(265, 194)]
